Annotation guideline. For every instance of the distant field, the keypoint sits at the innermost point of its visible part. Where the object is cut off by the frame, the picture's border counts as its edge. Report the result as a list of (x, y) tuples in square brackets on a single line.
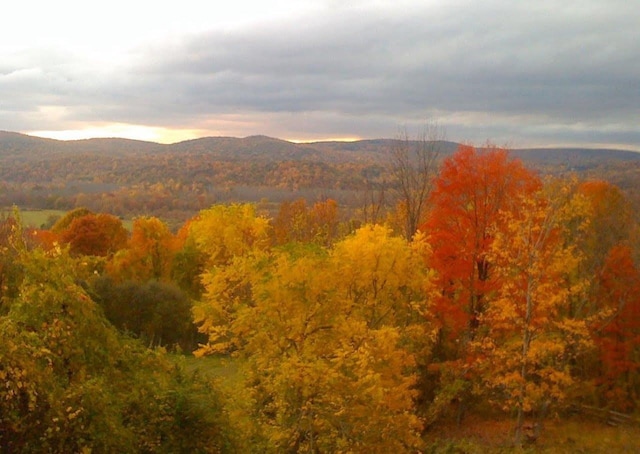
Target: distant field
[(39, 218), (35, 218)]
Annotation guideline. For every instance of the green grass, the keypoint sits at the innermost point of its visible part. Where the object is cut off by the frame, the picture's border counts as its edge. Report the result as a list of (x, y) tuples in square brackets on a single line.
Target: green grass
[(35, 218)]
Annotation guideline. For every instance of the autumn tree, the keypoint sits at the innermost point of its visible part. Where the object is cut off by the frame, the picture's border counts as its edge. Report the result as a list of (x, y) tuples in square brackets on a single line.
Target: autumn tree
[(71, 383), (95, 234), (188, 264), (223, 232), (330, 340), (45, 239), (291, 222), (149, 253), (611, 224), (10, 269), (472, 189), (530, 340), (65, 221), (324, 221), (296, 221), (617, 333)]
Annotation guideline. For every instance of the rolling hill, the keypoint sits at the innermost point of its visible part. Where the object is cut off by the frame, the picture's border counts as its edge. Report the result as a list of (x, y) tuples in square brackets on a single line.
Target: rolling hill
[(137, 177)]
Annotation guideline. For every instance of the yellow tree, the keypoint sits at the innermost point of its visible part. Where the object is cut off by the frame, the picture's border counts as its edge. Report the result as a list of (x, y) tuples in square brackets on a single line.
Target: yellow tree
[(530, 340), (223, 232), (328, 341)]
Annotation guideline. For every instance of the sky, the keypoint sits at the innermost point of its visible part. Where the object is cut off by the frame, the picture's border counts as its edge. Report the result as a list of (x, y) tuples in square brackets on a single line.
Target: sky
[(524, 73)]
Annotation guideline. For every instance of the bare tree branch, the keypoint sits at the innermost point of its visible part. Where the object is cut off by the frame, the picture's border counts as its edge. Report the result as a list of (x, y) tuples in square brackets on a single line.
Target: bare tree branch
[(414, 164)]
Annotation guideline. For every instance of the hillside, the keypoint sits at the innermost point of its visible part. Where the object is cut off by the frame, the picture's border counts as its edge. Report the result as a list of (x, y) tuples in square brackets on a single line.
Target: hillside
[(130, 177)]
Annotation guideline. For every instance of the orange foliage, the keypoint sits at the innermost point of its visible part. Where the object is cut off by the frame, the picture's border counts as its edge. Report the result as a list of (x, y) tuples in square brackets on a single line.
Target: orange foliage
[(618, 337), (46, 239), (611, 222), (149, 254), (474, 186), (95, 234), (295, 222)]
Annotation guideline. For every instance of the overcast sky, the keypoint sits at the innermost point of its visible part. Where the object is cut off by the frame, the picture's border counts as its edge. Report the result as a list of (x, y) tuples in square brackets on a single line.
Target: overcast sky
[(522, 73)]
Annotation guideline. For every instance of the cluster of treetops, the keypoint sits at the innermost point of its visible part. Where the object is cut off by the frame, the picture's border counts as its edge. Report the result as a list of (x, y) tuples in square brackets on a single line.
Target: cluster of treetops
[(515, 294)]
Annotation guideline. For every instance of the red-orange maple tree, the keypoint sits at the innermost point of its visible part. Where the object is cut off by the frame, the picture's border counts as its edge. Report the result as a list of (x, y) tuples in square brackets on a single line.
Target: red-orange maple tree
[(618, 335), (473, 187)]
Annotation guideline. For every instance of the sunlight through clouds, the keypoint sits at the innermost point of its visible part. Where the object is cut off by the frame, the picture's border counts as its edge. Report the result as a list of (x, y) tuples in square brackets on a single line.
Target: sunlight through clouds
[(522, 72)]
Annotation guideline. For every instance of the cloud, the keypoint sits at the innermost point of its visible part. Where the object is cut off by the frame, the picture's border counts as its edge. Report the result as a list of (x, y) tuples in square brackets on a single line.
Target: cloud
[(522, 71)]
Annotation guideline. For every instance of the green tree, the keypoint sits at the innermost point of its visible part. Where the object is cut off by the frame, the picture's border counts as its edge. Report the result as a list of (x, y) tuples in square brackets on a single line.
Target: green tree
[(158, 313), (71, 383)]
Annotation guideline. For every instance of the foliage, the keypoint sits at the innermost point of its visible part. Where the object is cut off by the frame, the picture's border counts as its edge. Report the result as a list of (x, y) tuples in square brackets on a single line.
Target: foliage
[(223, 232), (513, 292), (148, 255), (618, 335), (158, 313), (71, 383), (473, 187), (94, 234), (329, 338), (530, 339), (296, 222), (65, 221)]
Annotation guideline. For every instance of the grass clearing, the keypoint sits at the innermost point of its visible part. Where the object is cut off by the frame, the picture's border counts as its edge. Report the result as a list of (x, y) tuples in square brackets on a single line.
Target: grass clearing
[(35, 218)]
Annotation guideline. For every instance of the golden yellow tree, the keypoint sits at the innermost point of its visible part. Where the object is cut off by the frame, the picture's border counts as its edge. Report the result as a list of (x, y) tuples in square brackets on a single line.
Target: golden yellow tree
[(530, 340), (223, 232), (329, 339)]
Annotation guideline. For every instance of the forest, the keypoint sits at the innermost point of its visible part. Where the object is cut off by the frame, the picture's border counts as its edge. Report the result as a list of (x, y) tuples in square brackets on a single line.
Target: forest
[(474, 288), (130, 178)]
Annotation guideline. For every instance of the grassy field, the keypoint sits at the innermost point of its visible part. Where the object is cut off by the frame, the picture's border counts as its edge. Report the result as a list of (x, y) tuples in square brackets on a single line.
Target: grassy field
[(35, 218)]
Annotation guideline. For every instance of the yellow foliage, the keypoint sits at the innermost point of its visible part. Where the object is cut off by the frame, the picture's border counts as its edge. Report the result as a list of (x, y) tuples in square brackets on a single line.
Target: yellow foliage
[(530, 337), (330, 338)]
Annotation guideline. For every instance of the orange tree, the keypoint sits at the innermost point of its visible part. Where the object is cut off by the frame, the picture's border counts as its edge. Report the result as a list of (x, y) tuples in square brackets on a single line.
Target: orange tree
[(529, 339), (95, 234), (472, 190)]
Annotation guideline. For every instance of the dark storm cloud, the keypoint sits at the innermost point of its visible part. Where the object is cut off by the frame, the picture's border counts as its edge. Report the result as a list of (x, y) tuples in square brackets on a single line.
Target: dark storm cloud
[(517, 71)]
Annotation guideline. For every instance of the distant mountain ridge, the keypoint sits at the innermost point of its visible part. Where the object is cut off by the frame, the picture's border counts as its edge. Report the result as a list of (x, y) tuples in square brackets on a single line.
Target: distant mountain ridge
[(263, 148), (173, 181)]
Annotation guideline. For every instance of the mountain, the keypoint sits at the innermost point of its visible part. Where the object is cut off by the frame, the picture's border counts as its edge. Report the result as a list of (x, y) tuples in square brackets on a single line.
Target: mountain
[(264, 148), (132, 177)]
